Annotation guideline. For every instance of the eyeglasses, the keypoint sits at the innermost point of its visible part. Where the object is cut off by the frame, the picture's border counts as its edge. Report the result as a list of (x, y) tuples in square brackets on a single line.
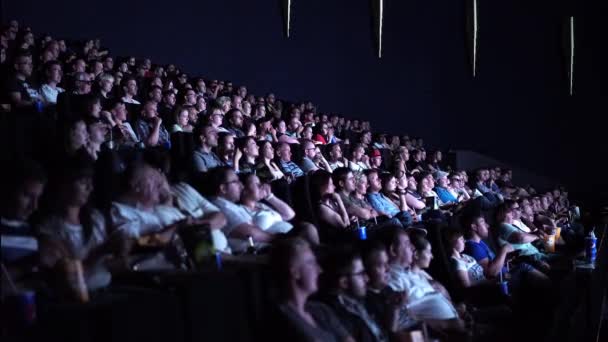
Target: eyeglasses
[(357, 274)]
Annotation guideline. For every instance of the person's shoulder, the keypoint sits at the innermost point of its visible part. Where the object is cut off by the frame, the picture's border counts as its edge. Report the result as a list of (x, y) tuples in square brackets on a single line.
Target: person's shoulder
[(12, 84)]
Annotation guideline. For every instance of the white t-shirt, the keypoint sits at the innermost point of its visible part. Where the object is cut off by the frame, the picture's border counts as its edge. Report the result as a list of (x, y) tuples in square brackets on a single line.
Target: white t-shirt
[(188, 200), (72, 237), (49, 94), (134, 222), (522, 226), (268, 219), (471, 266), (423, 301), (235, 216), (130, 100)]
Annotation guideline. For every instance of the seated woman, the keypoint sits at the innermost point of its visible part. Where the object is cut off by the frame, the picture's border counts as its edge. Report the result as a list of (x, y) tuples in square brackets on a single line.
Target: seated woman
[(225, 149), (97, 136), (328, 204), (413, 199), (468, 272), (272, 218), (77, 138), (92, 107), (266, 168), (296, 271), (182, 120), (320, 134), (427, 300), (74, 230), (398, 192), (282, 133), (247, 151)]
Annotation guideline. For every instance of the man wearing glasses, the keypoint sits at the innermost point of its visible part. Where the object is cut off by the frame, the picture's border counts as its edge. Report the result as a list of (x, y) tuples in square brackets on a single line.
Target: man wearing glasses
[(19, 91), (457, 187), (313, 159), (226, 189), (347, 282)]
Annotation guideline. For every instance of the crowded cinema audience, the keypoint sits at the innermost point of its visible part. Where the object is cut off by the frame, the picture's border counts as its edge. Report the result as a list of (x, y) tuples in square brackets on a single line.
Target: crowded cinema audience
[(136, 160)]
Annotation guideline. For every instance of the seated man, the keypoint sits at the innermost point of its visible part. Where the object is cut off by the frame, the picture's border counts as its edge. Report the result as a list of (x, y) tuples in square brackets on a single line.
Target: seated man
[(234, 118), (482, 178), (344, 180), (149, 127), (129, 88), (313, 159), (22, 187), (346, 290), (381, 301), (521, 241), (203, 158), (49, 89), (476, 229), (383, 204), (226, 188), (442, 184), (336, 158), (289, 168), (20, 93)]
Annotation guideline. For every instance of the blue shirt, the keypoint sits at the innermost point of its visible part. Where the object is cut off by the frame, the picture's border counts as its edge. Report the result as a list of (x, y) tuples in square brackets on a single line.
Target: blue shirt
[(478, 250), (290, 168), (445, 195), (382, 204)]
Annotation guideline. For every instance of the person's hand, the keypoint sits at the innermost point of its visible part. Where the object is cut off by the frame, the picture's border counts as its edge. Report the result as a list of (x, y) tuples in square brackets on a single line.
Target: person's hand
[(106, 115), (508, 248), (365, 158), (396, 300), (157, 121), (265, 190), (238, 154)]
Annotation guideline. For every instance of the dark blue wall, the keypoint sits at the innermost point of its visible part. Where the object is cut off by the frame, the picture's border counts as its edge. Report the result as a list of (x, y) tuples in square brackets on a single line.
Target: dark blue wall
[(517, 109)]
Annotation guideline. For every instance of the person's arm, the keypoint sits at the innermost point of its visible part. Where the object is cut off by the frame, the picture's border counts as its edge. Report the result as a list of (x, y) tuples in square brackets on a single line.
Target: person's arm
[(215, 220), (273, 132), (238, 154), (332, 217), (463, 278), (413, 202), (324, 164), (199, 164), (18, 101), (360, 212), (245, 230), (492, 268), (403, 202), (521, 237), (287, 213), (287, 139), (341, 208), (152, 139)]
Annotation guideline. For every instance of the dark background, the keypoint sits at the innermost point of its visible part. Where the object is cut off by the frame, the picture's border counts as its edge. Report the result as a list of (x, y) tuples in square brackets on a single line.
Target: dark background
[(516, 110)]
